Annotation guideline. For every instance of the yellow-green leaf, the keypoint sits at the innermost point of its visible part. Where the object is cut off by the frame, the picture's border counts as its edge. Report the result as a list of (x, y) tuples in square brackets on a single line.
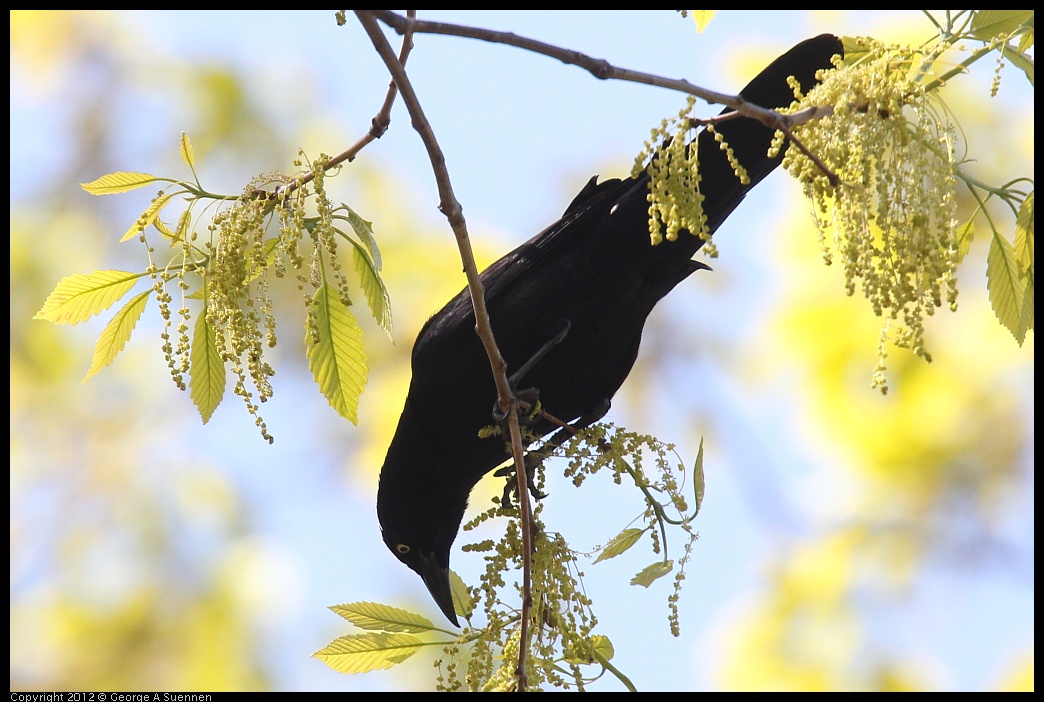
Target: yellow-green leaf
[(620, 543), (988, 24), (184, 222), (373, 287), (857, 49), (148, 216), (119, 182), (206, 369), (337, 360), (1022, 62), (380, 617), (462, 602), (361, 653), (1010, 296), (657, 570), (603, 647), (702, 18), (186, 152), (1024, 236), (964, 236), (364, 230), (80, 297), (698, 479), (116, 333)]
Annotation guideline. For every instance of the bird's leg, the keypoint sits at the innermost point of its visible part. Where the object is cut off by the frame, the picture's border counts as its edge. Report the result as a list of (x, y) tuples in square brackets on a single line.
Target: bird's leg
[(529, 396), (540, 353), (535, 459)]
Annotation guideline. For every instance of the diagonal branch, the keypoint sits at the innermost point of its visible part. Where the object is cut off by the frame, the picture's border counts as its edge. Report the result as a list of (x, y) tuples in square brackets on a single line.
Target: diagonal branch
[(599, 68), (451, 208)]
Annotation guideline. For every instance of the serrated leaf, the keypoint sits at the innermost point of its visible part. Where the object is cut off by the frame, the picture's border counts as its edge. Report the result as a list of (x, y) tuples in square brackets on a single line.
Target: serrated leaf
[(364, 230), (361, 653), (80, 297), (376, 293), (1024, 236), (148, 216), (184, 222), (657, 570), (1026, 41), (337, 361), (206, 369), (988, 24), (116, 333), (699, 482), (964, 236), (164, 230), (1008, 289), (1022, 62), (462, 602), (119, 182), (380, 617), (620, 543), (186, 152), (702, 18)]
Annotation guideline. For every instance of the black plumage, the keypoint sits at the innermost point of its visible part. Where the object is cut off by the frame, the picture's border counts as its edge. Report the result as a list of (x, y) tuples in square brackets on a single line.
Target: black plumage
[(594, 275)]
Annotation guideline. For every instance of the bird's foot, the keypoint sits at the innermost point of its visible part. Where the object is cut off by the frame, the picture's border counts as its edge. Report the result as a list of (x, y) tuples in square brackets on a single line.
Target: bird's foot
[(531, 462), (528, 405)]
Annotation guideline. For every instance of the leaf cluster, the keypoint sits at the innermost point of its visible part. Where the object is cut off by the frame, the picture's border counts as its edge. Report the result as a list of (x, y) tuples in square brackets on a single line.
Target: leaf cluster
[(224, 273)]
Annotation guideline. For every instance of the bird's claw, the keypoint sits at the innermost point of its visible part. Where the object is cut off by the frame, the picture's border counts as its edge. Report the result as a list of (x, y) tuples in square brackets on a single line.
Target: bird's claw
[(531, 462)]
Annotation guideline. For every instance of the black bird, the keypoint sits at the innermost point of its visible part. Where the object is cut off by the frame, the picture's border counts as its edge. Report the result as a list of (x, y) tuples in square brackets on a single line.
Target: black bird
[(594, 277)]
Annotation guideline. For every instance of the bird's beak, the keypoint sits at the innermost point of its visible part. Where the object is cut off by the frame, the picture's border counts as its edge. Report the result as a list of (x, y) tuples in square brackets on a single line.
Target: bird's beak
[(438, 581)]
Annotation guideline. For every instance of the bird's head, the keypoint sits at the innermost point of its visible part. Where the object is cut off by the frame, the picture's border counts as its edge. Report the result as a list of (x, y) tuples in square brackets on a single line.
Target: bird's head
[(420, 506), (427, 554)]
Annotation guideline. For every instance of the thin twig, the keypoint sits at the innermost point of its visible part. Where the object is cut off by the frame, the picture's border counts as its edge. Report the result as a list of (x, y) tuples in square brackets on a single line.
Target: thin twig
[(378, 126), (451, 208), (599, 68)]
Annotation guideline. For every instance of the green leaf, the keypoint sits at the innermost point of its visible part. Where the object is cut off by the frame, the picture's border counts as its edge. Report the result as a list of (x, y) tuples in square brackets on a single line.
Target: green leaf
[(702, 18), (119, 183), (648, 575), (857, 49), (462, 602), (1022, 62), (988, 24), (1010, 296), (373, 287), (964, 236), (601, 650), (362, 653), (116, 333), (1024, 236), (206, 369), (337, 359), (364, 230), (603, 647), (698, 479), (620, 543), (1026, 42), (380, 617), (148, 216), (186, 152), (80, 297)]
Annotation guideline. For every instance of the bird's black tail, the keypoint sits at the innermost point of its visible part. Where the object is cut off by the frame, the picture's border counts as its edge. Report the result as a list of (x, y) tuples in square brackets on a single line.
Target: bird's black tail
[(749, 139)]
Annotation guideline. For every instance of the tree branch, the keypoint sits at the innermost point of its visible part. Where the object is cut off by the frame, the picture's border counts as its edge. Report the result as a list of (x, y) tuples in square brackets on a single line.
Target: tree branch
[(599, 68), (451, 208), (378, 126)]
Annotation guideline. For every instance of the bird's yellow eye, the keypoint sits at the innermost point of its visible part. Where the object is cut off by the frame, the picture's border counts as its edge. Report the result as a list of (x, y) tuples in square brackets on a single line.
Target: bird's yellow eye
[(402, 549)]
